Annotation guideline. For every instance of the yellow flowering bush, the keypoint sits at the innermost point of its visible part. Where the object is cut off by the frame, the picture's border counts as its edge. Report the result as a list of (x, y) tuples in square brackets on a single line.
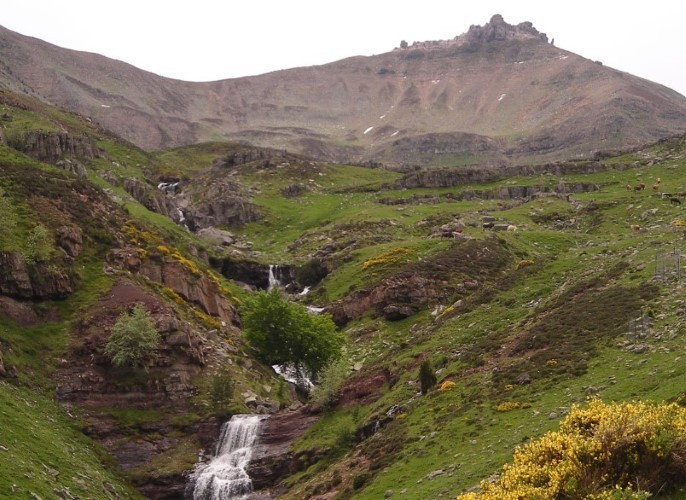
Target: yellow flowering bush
[(525, 263), (601, 451), (511, 405), (447, 385), (392, 256)]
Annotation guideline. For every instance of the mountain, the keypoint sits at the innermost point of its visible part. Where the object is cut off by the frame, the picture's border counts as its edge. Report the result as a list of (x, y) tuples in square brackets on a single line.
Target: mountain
[(497, 94)]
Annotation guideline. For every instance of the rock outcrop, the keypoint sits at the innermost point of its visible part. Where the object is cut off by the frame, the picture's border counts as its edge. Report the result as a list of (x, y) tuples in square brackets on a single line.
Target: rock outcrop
[(195, 288), (273, 457), (253, 273), (38, 282), (394, 298), (445, 177), (153, 199), (498, 30), (50, 147)]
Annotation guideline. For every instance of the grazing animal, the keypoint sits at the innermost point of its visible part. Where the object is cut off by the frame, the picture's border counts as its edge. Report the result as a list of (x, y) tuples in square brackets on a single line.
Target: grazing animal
[(512, 228), (447, 234), (628, 187), (639, 187), (488, 225), (656, 186), (675, 201), (635, 228)]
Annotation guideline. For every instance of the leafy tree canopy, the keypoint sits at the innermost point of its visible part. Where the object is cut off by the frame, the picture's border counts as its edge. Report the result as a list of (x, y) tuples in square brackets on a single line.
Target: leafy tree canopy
[(286, 333)]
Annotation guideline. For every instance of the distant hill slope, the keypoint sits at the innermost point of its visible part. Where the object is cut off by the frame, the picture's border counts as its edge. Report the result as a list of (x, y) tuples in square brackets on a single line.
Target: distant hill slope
[(497, 94)]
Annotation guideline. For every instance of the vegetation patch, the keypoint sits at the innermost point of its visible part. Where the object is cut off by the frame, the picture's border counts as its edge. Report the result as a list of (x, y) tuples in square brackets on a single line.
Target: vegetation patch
[(618, 450)]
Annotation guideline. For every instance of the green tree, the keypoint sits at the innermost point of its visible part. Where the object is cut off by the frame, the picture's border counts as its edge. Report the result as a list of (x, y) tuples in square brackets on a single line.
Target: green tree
[(285, 333), (133, 339), (427, 377)]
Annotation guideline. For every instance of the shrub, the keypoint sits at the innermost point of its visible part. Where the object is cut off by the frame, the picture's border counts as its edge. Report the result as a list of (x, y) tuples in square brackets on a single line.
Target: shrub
[(38, 246), (447, 385), (9, 214), (133, 339), (360, 479), (392, 256), (221, 393), (331, 378), (427, 377), (601, 451)]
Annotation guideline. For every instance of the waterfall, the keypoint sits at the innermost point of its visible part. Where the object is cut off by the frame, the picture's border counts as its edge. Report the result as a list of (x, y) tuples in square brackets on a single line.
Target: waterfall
[(182, 219), (225, 477), (273, 280)]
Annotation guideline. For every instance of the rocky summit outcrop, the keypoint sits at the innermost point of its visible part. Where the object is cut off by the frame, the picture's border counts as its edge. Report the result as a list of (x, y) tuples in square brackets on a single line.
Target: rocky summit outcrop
[(498, 29)]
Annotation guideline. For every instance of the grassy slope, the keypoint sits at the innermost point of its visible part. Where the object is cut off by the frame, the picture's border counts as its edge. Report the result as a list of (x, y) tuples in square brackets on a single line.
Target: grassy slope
[(592, 274)]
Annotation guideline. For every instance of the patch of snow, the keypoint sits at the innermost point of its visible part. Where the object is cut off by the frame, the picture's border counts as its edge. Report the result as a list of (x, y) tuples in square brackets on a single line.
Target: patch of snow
[(395, 133), (563, 57), (368, 130), (435, 81), (305, 291), (382, 117), (502, 96), (104, 106)]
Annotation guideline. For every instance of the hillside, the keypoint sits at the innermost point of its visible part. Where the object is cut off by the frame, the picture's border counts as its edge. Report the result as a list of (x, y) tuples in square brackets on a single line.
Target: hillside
[(498, 94), (527, 289)]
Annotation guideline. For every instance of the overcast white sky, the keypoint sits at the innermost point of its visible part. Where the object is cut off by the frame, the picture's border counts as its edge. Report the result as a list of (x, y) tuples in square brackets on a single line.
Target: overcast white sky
[(200, 40)]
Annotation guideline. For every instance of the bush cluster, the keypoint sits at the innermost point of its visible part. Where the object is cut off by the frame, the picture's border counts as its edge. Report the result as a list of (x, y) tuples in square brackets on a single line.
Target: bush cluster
[(619, 450)]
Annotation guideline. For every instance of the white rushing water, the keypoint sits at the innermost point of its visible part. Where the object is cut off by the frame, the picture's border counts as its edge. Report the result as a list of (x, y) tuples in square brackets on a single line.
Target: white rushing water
[(225, 477), (273, 281)]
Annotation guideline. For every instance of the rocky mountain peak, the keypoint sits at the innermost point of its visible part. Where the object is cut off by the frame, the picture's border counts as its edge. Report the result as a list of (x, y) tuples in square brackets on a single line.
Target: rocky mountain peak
[(498, 29)]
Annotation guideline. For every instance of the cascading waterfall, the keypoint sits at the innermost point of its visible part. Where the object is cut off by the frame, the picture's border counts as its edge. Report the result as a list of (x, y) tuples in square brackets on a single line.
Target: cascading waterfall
[(225, 477), (273, 280)]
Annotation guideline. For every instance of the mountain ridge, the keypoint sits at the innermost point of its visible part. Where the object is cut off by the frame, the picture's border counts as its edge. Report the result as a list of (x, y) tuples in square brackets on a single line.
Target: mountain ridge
[(497, 94)]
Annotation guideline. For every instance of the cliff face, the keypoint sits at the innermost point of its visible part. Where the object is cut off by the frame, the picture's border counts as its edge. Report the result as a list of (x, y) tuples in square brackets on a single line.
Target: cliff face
[(50, 147), (118, 404)]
